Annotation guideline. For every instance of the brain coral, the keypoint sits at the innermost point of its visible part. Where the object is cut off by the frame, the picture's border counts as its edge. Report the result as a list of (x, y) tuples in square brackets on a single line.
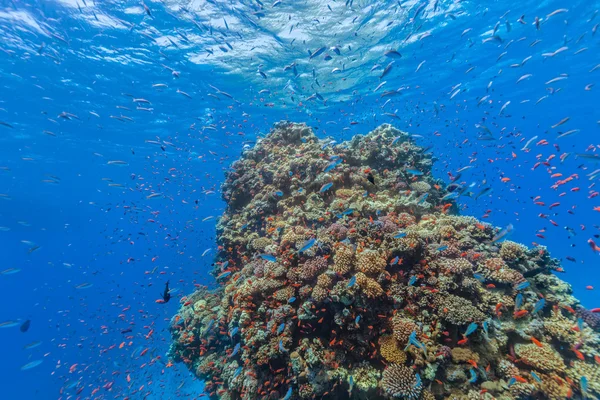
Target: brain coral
[(334, 322)]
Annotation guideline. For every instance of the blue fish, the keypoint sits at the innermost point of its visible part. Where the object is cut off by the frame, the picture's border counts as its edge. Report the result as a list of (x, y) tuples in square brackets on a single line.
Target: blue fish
[(522, 285), (518, 301), (395, 140), (580, 324), (291, 300), (237, 372), (223, 275), (281, 348), (414, 172), (512, 381), (224, 265), (279, 193), (325, 187), (539, 306), (236, 350), (471, 328), (584, 384), (288, 395), (280, 328), (422, 199), (473, 377), (450, 196), (352, 281), (333, 164), (348, 211), (307, 245), (399, 235), (395, 260), (291, 173), (300, 190), (417, 381), (365, 194), (351, 384), (536, 377), (357, 319), (234, 331), (412, 280), (479, 277), (442, 248), (268, 257)]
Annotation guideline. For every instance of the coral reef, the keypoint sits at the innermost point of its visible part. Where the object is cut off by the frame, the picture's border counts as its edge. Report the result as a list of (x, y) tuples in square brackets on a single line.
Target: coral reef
[(345, 271)]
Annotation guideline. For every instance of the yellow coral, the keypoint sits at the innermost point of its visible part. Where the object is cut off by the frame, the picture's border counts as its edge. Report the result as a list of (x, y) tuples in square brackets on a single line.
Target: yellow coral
[(390, 350), (369, 286), (324, 281), (370, 262), (342, 260), (541, 358)]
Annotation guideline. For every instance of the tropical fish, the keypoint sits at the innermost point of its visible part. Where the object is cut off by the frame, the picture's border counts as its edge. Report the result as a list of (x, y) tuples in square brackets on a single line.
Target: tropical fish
[(268, 257), (523, 285), (539, 306), (325, 187), (471, 328), (352, 281), (473, 376), (32, 345), (518, 301), (280, 328), (414, 172), (9, 324), (85, 285), (399, 235), (236, 350), (10, 271), (307, 245), (31, 365)]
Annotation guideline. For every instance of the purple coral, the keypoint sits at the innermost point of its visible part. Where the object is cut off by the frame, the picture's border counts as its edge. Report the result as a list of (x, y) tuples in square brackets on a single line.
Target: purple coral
[(312, 268), (593, 320)]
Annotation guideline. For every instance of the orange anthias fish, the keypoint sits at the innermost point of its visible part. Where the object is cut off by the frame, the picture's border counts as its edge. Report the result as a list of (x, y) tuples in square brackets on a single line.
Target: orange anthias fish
[(536, 342), (520, 314)]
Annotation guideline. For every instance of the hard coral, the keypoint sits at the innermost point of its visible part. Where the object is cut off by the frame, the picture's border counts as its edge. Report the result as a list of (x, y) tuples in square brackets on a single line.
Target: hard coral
[(395, 278), (400, 381)]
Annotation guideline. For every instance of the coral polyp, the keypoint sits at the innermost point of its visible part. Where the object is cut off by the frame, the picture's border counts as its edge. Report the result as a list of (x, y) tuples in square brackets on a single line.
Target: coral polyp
[(398, 296)]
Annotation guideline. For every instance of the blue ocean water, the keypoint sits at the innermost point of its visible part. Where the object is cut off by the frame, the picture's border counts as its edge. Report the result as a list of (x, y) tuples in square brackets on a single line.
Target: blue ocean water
[(118, 119)]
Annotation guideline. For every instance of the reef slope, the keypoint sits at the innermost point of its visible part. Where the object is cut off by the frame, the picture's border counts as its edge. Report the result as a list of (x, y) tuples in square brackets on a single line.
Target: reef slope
[(397, 296)]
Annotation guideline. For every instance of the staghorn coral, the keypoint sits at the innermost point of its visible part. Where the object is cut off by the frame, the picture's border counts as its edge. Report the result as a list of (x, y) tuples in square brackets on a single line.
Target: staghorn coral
[(334, 322)]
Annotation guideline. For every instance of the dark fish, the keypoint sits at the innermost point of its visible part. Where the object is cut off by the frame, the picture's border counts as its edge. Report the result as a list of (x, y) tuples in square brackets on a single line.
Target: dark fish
[(25, 326), (371, 178)]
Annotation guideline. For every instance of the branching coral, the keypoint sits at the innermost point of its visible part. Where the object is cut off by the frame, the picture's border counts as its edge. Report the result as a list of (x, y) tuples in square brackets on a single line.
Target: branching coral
[(397, 293), (400, 381)]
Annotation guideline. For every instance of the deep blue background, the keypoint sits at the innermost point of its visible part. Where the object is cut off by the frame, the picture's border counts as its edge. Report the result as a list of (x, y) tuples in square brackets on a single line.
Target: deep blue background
[(87, 231)]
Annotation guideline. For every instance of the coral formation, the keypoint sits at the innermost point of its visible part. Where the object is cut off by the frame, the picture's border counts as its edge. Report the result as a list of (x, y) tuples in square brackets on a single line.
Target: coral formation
[(344, 271)]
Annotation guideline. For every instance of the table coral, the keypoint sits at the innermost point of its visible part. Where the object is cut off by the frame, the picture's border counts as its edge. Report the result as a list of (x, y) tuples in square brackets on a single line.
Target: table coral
[(398, 293)]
